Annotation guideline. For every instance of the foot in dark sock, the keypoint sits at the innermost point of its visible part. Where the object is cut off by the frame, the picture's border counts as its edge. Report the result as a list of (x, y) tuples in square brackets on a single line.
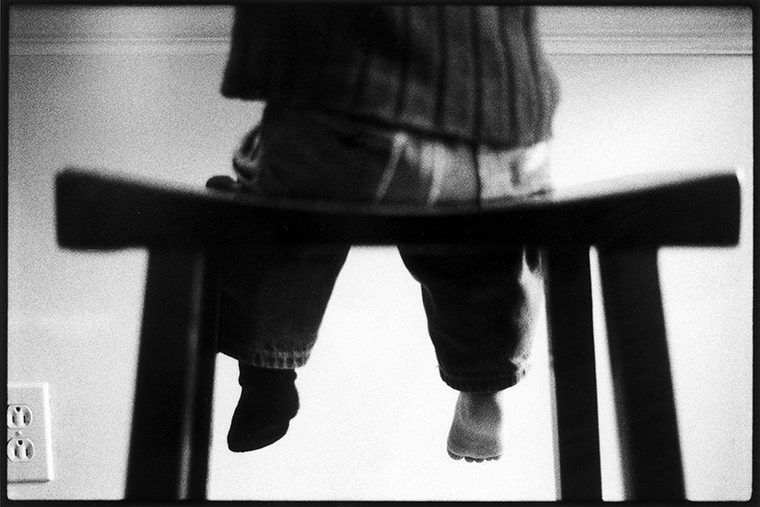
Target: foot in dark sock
[(268, 401)]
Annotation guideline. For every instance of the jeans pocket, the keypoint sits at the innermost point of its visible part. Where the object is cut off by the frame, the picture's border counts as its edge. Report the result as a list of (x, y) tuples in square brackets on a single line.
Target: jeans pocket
[(518, 172), (428, 172), (317, 156)]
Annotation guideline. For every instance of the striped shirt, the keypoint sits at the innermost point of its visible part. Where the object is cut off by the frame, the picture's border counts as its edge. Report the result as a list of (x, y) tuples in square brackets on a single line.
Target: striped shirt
[(468, 72)]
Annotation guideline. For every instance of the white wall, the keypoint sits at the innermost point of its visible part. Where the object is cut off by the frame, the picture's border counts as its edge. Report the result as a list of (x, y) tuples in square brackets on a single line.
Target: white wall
[(136, 90)]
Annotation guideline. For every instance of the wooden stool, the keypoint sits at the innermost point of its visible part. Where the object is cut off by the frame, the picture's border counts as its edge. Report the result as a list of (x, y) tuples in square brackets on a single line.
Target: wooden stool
[(628, 219)]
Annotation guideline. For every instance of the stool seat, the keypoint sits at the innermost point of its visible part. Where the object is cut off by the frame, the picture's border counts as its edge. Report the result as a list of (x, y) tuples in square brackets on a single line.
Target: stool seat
[(98, 210), (186, 231)]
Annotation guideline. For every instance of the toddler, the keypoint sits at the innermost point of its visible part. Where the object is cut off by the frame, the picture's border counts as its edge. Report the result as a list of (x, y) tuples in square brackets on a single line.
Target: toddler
[(430, 106)]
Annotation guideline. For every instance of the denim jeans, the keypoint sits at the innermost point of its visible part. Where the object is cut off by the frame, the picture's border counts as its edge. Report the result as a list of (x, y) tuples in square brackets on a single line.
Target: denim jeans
[(480, 305)]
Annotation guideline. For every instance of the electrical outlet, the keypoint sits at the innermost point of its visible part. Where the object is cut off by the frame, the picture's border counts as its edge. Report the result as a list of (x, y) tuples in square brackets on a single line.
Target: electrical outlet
[(29, 446), (20, 449), (19, 417)]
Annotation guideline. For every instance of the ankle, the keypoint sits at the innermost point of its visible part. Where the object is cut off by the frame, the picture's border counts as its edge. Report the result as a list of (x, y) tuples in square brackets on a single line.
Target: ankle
[(256, 376)]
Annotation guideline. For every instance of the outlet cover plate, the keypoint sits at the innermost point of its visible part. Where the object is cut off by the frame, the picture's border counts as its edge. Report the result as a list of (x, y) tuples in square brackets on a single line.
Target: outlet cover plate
[(28, 420)]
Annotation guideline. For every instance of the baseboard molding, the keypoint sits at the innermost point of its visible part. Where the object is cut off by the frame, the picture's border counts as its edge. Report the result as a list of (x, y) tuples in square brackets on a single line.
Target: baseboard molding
[(647, 30), (58, 29)]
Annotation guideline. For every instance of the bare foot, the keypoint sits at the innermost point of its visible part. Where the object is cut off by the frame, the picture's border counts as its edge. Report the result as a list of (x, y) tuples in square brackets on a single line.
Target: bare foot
[(475, 433)]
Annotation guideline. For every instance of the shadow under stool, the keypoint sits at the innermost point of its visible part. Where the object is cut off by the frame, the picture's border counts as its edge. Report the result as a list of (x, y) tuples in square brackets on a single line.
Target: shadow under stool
[(185, 231)]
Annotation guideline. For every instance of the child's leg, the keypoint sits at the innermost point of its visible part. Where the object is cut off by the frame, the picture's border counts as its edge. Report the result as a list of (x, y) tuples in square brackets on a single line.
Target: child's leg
[(481, 309), (273, 299), (272, 303)]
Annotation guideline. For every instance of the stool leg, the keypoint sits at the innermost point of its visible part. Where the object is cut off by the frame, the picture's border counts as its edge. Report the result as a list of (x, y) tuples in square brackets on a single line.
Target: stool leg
[(641, 374), (573, 369), (169, 448)]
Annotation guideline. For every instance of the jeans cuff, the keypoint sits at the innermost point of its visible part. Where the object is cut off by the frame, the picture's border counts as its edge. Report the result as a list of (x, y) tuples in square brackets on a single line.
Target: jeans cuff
[(279, 360), (482, 383)]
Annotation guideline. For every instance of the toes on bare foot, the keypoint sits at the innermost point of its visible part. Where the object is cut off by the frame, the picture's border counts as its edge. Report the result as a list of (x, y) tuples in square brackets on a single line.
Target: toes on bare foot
[(454, 456), (470, 459)]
